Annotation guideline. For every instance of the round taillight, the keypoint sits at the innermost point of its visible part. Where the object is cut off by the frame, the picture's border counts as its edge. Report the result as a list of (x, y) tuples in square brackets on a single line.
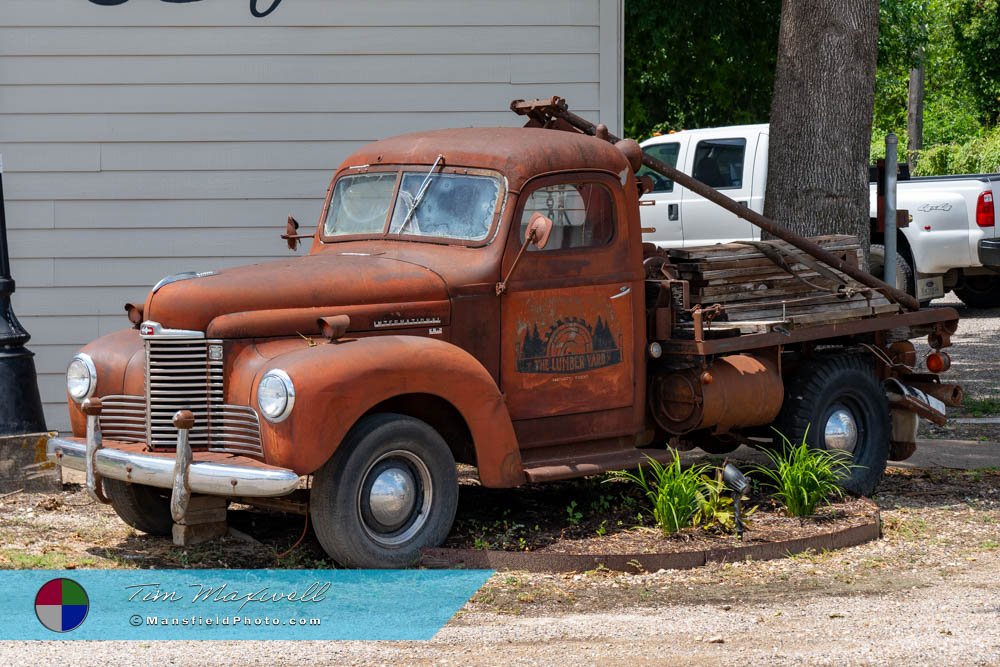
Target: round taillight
[(938, 362)]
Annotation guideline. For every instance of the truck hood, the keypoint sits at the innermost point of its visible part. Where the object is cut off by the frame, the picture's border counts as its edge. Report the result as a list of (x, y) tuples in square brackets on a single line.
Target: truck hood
[(316, 284)]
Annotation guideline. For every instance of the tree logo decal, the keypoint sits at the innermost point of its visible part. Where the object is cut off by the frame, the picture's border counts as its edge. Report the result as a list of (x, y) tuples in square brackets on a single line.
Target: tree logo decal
[(570, 346)]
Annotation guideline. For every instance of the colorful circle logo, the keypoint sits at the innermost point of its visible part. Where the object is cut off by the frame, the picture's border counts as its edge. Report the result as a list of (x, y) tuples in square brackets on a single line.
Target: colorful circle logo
[(61, 605)]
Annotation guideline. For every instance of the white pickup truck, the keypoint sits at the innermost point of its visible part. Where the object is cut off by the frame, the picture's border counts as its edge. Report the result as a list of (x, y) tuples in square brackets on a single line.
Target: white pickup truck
[(951, 242)]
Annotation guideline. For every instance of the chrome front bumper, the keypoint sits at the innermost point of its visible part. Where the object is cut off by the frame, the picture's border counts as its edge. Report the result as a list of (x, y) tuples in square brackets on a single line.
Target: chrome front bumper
[(206, 477)]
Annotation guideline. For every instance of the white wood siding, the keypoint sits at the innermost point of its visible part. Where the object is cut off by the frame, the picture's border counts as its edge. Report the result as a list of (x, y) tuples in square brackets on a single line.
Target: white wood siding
[(153, 137)]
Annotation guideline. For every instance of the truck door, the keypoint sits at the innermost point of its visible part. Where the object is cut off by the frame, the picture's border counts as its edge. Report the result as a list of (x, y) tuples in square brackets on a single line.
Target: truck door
[(660, 210), (567, 316), (719, 163)]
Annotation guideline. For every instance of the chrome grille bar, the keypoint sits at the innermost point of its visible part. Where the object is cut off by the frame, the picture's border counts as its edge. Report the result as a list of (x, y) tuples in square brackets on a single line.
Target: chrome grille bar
[(180, 375), (177, 378), (123, 418)]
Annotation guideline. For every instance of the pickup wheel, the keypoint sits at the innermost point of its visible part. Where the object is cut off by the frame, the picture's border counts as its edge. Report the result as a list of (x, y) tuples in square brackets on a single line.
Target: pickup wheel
[(145, 508), (842, 403), (980, 291), (904, 272), (390, 490)]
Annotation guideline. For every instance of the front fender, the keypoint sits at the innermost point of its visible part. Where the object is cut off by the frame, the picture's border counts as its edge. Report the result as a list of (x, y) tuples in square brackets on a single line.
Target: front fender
[(337, 383)]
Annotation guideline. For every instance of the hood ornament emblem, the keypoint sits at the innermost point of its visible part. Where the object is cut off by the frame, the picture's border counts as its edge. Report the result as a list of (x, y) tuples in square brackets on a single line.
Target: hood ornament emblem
[(177, 277)]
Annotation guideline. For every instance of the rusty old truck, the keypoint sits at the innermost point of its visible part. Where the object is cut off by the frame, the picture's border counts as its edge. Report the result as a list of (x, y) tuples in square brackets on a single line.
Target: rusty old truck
[(484, 297)]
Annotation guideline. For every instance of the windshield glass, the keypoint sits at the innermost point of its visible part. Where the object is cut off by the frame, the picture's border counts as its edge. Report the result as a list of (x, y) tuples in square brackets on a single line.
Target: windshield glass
[(453, 206), (360, 204)]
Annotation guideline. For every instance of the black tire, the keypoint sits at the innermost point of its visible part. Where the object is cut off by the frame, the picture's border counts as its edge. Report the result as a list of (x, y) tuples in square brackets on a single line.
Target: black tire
[(820, 389), (385, 449), (904, 272), (145, 508), (980, 291)]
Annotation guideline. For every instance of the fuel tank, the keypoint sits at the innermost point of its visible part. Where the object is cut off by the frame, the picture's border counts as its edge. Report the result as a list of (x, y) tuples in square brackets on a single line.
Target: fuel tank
[(737, 390)]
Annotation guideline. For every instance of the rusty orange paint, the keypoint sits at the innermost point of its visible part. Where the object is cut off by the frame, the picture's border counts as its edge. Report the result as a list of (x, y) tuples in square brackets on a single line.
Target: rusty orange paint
[(746, 390), (359, 374)]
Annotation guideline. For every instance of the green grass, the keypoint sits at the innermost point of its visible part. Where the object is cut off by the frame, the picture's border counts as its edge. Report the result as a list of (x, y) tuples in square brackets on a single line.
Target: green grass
[(20, 560), (803, 478), (982, 407)]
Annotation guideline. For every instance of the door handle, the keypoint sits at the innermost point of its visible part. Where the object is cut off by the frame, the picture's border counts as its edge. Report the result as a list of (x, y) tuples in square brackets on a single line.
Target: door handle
[(622, 291), (673, 212)]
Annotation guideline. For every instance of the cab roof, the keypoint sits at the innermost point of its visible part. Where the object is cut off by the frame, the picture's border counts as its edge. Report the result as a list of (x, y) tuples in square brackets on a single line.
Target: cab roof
[(517, 153)]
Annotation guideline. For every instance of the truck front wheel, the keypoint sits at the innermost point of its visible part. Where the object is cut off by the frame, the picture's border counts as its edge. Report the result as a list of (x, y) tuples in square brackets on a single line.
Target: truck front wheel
[(980, 291), (145, 508), (841, 402), (390, 490)]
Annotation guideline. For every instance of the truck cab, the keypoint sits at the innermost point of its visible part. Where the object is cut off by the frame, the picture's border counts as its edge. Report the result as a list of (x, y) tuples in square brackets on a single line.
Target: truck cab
[(733, 160)]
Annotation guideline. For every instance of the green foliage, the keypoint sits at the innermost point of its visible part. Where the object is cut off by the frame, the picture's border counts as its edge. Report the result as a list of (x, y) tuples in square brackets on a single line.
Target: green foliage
[(802, 477), (930, 32), (982, 407), (573, 515), (976, 26), (717, 508), (675, 492), (691, 64), (979, 155)]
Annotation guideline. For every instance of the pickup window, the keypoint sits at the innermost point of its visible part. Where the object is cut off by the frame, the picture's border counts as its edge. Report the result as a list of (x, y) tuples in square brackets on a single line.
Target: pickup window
[(719, 162), (582, 215), (664, 153), (452, 206)]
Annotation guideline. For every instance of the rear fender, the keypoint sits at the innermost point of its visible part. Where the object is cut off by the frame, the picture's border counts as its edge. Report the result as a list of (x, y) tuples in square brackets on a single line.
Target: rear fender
[(338, 383)]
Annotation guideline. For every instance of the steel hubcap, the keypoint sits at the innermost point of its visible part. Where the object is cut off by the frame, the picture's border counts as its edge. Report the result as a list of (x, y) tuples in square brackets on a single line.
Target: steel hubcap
[(392, 496), (841, 430), (395, 497)]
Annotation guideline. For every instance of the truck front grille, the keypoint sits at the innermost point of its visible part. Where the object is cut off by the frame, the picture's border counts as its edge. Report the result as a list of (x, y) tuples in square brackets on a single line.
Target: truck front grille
[(181, 375)]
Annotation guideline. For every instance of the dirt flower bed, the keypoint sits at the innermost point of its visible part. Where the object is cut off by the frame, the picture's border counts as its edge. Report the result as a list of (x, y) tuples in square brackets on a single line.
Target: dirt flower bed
[(602, 516), (922, 512)]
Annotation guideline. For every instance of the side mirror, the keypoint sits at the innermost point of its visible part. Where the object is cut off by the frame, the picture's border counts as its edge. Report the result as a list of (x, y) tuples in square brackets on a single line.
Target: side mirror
[(291, 235), (537, 234), (538, 230)]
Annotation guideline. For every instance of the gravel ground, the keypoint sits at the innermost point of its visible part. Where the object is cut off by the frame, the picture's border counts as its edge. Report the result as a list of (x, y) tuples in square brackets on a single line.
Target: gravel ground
[(927, 593)]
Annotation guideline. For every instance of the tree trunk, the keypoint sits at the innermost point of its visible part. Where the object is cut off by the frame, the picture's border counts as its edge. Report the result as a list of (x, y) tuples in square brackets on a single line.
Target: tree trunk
[(821, 117), (915, 115)]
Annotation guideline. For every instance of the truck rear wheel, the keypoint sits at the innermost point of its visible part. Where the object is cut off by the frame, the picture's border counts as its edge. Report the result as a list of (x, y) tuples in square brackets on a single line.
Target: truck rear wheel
[(904, 272), (145, 508), (980, 291), (842, 403), (390, 490)]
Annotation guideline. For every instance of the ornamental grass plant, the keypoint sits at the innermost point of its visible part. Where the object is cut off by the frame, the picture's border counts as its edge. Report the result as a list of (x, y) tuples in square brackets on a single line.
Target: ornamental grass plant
[(803, 478), (676, 493)]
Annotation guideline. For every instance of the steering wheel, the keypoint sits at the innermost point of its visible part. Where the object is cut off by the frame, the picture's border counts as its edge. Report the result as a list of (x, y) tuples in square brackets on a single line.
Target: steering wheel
[(660, 183), (361, 208)]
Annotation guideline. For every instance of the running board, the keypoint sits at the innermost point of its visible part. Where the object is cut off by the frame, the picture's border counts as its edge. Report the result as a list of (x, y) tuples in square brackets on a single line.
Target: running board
[(554, 468)]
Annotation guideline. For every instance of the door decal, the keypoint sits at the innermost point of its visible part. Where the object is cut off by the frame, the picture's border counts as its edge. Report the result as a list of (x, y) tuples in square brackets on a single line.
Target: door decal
[(570, 345)]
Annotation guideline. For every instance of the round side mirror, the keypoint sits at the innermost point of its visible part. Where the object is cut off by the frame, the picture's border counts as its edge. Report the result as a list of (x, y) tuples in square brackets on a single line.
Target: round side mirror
[(538, 230)]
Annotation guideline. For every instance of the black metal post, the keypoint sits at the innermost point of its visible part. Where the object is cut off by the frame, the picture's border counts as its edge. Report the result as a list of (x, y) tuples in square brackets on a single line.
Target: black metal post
[(20, 403)]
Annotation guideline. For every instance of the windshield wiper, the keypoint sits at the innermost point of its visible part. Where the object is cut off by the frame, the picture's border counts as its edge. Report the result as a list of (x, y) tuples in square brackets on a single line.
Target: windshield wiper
[(420, 194)]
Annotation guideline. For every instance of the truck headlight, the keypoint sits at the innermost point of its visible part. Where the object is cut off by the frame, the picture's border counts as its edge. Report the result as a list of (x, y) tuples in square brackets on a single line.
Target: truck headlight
[(81, 377), (275, 395)]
